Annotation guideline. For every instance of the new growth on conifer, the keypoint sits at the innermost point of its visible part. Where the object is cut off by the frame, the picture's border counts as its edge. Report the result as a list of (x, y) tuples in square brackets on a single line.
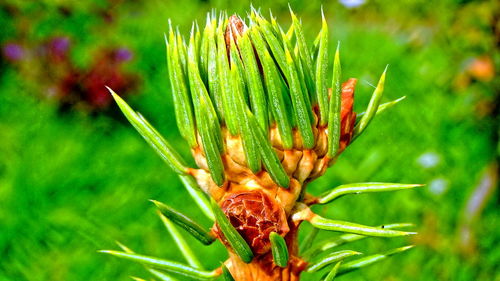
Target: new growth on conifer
[(263, 116)]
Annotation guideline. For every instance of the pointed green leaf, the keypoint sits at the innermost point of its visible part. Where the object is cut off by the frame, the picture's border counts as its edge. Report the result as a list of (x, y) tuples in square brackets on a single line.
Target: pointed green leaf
[(162, 276), (383, 107), (182, 102), (321, 73), (274, 44), (316, 45), (302, 112), (333, 273), (198, 195), (166, 265), (213, 76), (252, 155), (285, 92), (369, 260), (334, 109), (289, 33), (210, 143), (238, 244), (199, 92), (235, 59), (226, 274), (186, 250), (254, 81), (349, 227), (274, 24), (206, 119), (304, 53), (279, 249), (274, 90), (269, 157), (185, 222), (308, 240), (300, 73), (301, 41), (181, 48), (124, 248), (152, 137), (195, 31), (356, 188), (203, 52), (344, 239), (372, 108), (331, 258), (225, 82)]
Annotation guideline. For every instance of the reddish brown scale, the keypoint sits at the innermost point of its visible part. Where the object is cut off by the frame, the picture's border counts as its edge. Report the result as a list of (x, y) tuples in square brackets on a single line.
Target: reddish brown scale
[(255, 215), (235, 27), (263, 268), (347, 116)]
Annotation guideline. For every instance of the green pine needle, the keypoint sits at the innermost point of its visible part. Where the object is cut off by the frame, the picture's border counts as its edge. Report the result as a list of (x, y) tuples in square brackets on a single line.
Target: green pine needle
[(279, 249), (321, 73), (250, 149), (367, 187), (160, 275), (256, 89), (372, 108), (369, 260), (214, 85), (185, 222), (274, 44), (206, 118), (274, 88), (308, 240), (330, 258), (166, 265), (269, 157), (349, 227), (304, 52), (210, 143), (182, 102), (333, 272), (225, 81), (238, 244), (152, 137), (383, 107), (226, 274), (300, 109), (334, 108), (181, 243), (340, 240), (198, 195)]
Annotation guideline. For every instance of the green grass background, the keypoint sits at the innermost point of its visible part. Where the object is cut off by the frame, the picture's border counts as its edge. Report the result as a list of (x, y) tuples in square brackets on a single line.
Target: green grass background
[(73, 183)]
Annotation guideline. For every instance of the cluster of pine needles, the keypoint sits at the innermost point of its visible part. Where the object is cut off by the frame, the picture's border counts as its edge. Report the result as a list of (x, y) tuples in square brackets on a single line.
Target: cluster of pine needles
[(270, 78)]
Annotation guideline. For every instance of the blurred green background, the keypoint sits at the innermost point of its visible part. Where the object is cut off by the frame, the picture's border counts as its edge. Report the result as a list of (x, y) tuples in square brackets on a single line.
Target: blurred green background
[(75, 177)]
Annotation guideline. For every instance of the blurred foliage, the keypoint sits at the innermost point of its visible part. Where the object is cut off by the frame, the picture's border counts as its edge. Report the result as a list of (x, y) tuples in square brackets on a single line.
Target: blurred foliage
[(73, 182)]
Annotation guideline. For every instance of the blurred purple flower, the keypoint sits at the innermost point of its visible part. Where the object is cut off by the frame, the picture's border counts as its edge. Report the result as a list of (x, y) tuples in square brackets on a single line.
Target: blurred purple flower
[(352, 3), (123, 54), (59, 45), (13, 51)]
